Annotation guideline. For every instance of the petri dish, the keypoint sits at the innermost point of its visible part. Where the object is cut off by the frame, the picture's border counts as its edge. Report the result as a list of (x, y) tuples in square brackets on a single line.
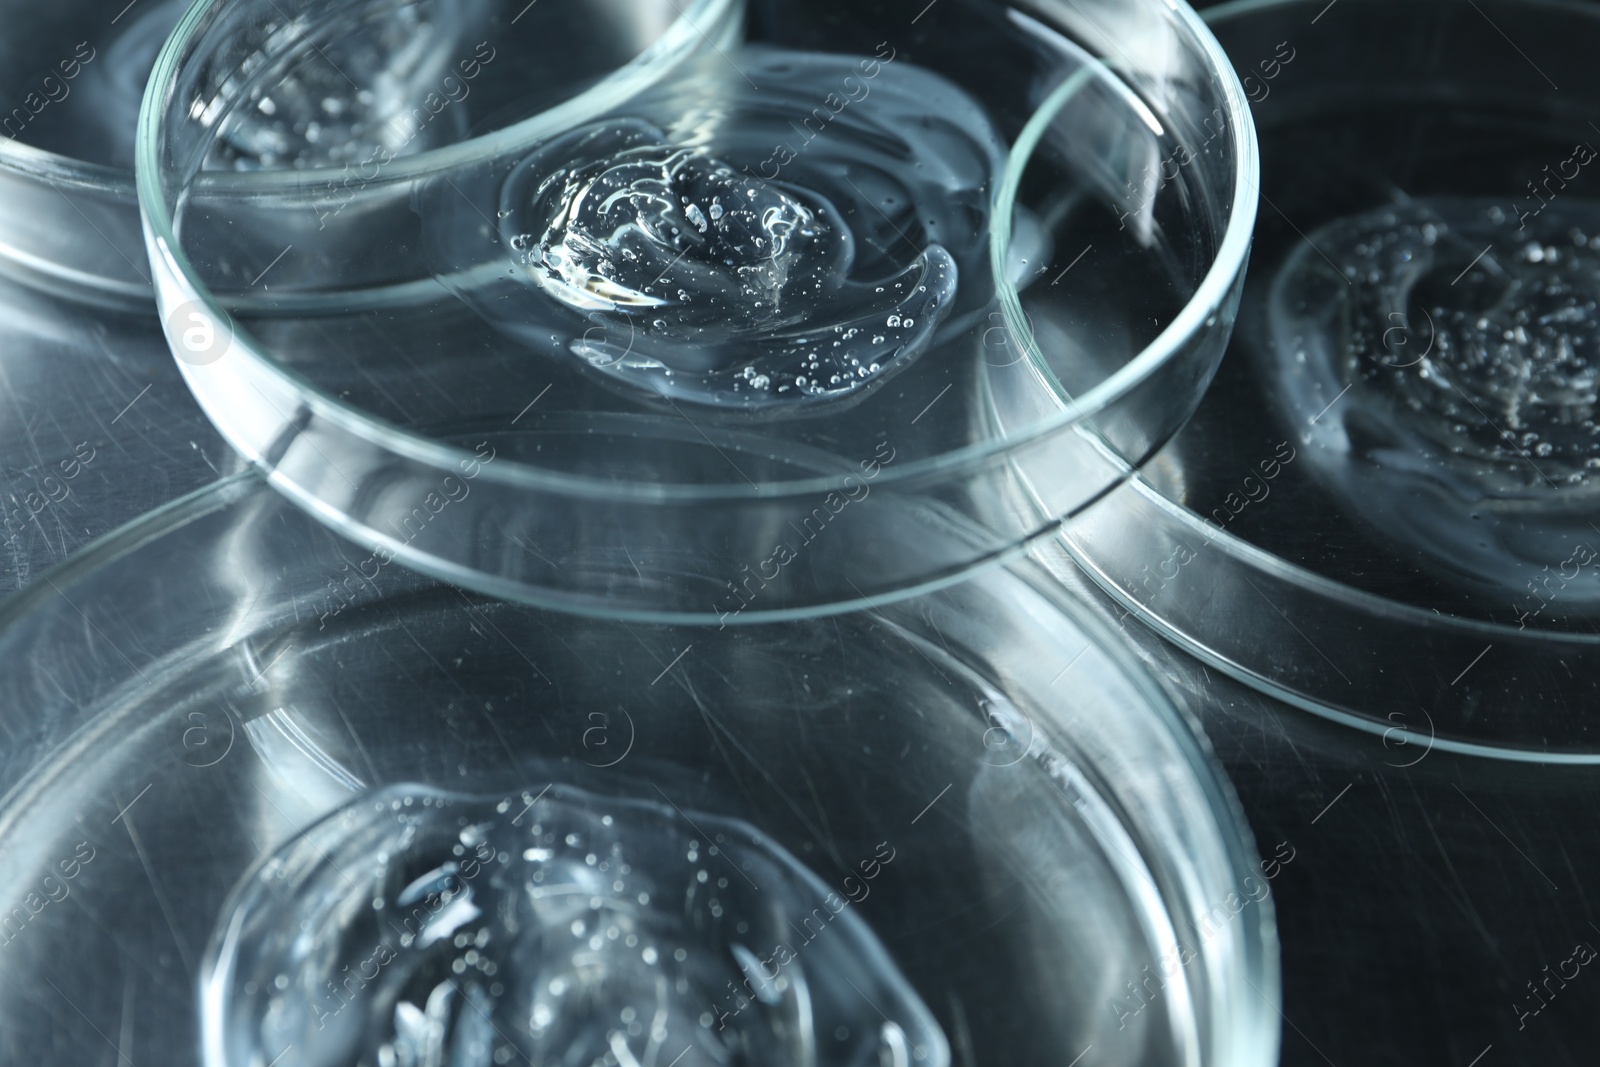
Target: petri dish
[(1382, 510), (96, 425), (727, 329), (74, 73), (215, 714)]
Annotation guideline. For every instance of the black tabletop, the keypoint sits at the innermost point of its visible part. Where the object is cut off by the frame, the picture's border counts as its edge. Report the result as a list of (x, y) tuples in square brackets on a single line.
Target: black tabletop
[(1434, 907)]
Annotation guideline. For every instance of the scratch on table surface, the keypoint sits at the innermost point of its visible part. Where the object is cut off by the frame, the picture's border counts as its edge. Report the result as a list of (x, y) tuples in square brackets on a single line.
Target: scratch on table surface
[(1463, 898), (161, 899), (418, 372), (830, 842), (790, 802)]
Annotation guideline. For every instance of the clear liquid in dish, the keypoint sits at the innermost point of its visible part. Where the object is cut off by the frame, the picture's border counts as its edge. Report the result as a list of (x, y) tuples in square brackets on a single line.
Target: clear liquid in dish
[(709, 246), (417, 928), (813, 254), (1453, 347)]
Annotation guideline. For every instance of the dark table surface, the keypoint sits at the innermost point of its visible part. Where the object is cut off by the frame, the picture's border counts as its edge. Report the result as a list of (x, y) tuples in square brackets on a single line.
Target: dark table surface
[(1426, 890), (96, 427), (1435, 910)]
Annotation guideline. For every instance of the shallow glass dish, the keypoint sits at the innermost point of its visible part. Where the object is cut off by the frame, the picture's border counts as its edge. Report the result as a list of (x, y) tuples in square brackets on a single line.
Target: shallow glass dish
[(73, 73), (1383, 511), (203, 710), (96, 425), (762, 321)]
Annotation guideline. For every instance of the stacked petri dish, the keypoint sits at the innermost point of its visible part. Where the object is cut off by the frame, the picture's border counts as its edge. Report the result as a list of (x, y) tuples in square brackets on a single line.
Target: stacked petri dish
[(782, 264), (1384, 510), (621, 650)]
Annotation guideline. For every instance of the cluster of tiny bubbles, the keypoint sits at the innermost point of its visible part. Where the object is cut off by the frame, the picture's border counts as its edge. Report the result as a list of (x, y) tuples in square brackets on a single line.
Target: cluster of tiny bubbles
[(746, 250), (1440, 356), (415, 927), (371, 91)]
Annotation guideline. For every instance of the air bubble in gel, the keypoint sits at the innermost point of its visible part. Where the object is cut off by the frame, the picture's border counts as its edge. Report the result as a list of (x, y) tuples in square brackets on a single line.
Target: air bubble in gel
[(752, 250), (416, 927), (1440, 358), (309, 113)]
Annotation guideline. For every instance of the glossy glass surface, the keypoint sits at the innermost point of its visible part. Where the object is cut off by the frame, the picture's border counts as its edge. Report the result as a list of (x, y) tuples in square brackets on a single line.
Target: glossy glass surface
[(96, 425), (71, 75), (1384, 509), (738, 353), (204, 709)]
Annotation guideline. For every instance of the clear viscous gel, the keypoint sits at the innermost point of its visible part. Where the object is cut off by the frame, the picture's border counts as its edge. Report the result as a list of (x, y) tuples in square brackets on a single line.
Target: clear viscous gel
[(685, 250), (415, 927), (1445, 378)]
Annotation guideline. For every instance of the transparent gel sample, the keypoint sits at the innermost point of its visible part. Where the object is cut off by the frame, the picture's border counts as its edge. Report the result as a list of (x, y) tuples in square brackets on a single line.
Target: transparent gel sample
[(324, 91), (1442, 356), (756, 250), (416, 927), (660, 286)]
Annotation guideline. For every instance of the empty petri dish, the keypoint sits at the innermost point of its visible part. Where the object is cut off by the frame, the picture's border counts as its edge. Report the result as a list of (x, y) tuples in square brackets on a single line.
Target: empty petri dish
[(69, 105), (265, 800), (1384, 511), (756, 309)]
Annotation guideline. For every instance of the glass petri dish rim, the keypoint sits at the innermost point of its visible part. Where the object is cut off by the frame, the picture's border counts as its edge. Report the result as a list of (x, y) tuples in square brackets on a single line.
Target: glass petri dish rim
[(151, 526), (1209, 298), (1328, 589), (28, 161), (620, 84), (1332, 591), (36, 165), (1250, 1031), (1231, 9), (1180, 723)]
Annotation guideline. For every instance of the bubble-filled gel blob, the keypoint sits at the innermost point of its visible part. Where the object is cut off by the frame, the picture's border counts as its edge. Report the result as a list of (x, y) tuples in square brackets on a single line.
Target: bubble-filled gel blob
[(757, 250), (279, 104), (416, 927), (1468, 341)]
